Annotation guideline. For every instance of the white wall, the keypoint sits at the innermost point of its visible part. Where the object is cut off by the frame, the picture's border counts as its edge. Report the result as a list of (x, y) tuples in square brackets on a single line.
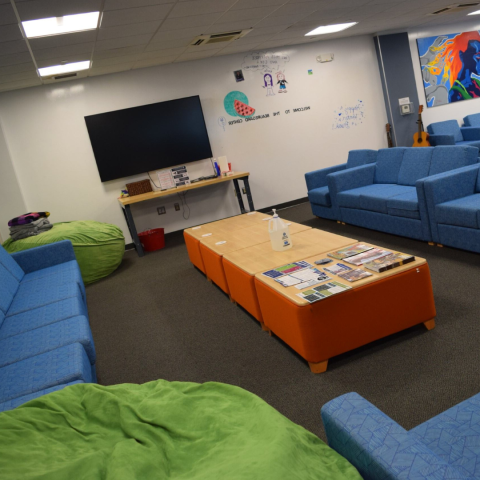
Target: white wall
[(453, 111), (11, 198), (51, 151)]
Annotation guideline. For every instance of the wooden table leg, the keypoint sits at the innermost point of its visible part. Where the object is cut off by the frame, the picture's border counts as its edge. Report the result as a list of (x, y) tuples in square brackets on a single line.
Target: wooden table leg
[(430, 324), (319, 367), (431, 243)]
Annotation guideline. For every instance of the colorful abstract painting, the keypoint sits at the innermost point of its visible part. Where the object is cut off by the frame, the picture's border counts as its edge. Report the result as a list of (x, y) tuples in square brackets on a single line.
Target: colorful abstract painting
[(450, 67)]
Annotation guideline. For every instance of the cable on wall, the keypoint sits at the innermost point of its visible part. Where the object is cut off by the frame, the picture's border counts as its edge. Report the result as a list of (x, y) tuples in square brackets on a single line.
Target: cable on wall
[(183, 199)]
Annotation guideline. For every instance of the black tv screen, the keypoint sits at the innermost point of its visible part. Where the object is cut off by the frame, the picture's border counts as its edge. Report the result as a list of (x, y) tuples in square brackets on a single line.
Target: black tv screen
[(151, 137)]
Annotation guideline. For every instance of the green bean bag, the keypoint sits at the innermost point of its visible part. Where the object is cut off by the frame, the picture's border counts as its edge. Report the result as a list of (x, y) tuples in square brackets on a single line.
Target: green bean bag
[(160, 430), (99, 247)]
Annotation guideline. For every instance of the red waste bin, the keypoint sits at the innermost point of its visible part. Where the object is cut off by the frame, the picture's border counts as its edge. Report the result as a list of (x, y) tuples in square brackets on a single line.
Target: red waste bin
[(153, 239)]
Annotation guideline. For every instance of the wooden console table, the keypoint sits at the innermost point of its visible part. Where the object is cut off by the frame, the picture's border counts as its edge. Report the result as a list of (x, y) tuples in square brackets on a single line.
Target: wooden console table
[(125, 202)]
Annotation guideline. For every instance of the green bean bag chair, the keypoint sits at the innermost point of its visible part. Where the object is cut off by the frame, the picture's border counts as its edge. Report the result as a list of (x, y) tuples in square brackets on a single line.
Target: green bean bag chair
[(160, 430), (99, 247)]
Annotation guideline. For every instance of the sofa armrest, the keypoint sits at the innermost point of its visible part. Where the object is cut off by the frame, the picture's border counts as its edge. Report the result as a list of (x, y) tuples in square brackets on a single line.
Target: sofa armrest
[(318, 178), (351, 178), (376, 445), (45, 256), (436, 140), (470, 133)]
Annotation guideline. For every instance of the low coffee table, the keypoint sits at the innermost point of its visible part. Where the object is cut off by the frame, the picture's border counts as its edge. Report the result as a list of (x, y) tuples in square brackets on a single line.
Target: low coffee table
[(374, 307)]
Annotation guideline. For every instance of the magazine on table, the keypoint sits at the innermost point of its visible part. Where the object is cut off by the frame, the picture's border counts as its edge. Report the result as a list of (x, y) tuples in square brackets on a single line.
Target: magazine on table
[(286, 269), (349, 251), (354, 275), (369, 256), (323, 291), (390, 261), (307, 277), (337, 268)]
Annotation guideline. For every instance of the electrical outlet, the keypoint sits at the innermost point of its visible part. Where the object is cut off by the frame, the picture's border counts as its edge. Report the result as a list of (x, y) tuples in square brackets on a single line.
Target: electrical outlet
[(244, 190), (177, 207), (161, 210)]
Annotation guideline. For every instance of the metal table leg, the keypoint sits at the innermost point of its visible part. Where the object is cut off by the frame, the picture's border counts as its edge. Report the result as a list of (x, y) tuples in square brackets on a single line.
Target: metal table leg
[(249, 194), (133, 230), (239, 196)]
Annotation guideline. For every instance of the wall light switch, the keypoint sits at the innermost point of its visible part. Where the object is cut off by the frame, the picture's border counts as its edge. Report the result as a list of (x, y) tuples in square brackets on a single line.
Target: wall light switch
[(161, 210)]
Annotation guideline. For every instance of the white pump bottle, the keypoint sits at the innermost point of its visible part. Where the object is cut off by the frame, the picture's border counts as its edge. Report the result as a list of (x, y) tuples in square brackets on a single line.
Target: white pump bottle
[(279, 233)]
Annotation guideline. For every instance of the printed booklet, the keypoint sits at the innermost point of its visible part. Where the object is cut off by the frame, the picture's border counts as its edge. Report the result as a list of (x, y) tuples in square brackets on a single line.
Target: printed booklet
[(337, 268), (369, 256), (354, 275), (390, 261), (323, 291), (349, 251)]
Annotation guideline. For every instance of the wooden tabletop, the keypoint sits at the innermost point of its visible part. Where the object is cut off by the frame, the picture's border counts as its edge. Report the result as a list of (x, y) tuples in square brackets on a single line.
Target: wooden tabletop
[(245, 237), (159, 193), (291, 292), (262, 257), (228, 225)]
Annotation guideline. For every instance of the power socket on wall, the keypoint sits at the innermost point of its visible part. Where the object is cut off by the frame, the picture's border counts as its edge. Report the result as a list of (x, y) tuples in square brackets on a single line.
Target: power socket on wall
[(161, 210), (177, 206)]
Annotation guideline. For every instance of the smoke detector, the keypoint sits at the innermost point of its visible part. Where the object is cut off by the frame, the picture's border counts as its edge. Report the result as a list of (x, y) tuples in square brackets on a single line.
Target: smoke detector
[(219, 37)]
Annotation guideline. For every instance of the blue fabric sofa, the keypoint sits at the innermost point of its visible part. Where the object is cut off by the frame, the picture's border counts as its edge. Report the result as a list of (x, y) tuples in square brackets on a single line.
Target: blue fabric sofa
[(45, 338), (472, 120), (317, 185), (444, 447), (453, 202), (389, 194), (449, 133)]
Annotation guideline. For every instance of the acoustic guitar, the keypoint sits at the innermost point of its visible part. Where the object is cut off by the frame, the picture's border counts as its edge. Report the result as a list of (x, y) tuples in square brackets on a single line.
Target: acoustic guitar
[(420, 139), (388, 128)]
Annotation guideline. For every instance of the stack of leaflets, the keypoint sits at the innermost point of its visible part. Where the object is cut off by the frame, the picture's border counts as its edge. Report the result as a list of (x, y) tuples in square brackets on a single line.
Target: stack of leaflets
[(354, 275), (323, 291), (390, 261), (305, 278), (286, 269), (368, 256), (337, 268), (349, 251)]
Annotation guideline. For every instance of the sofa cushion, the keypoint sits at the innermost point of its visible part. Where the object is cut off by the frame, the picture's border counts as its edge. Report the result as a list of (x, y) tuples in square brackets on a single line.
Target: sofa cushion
[(44, 296), (404, 205), (471, 143), (320, 196), (375, 198), (8, 288), (41, 316), (37, 285), (448, 127), (415, 165), (357, 158), (351, 198), (63, 365), (449, 157), (10, 264), (472, 120), (388, 165), (461, 212), (41, 340)]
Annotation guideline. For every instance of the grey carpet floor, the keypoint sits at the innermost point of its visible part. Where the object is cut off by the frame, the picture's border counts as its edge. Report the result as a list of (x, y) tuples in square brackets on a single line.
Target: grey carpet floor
[(158, 317)]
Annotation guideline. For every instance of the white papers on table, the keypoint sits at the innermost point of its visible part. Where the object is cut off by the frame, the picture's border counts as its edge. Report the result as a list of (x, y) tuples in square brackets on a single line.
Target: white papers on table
[(287, 280), (166, 180)]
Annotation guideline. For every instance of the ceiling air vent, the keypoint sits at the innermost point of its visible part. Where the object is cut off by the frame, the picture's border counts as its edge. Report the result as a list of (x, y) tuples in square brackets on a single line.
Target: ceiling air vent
[(454, 8), (219, 37), (61, 77)]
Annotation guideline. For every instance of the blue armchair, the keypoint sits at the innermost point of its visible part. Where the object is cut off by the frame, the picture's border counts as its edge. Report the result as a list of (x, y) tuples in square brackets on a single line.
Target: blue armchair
[(444, 447), (317, 184), (472, 120), (449, 133)]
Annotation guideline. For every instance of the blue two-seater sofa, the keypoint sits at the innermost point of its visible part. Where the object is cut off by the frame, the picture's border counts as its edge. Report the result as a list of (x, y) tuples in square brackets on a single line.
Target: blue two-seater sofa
[(45, 337), (445, 447)]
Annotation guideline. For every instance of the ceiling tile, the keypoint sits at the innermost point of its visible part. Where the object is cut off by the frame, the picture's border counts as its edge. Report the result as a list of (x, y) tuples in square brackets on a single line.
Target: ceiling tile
[(248, 14), (205, 48), (10, 32), (112, 43), (195, 56), (229, 27), (48, 62), (248, 40), (243, 4), (123, 67), (13, 77), (135, 15), (16, 46), (119, 4), (21, 67), (167, 52), (68, 50), (296, 9), (14, 59), (283, 20), (35, 9), (118, 52), (152, 62), (184, 33), (62, 40), (189, 22), (105, 62), (7, 15), (199, 7), (180, 42), (265, 30), (128, 30)]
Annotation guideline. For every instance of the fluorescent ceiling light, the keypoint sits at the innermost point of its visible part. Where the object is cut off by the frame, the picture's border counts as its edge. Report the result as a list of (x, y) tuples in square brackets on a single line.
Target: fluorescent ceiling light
[(331, 28), (67, 68), (59, 25), (476, 12)]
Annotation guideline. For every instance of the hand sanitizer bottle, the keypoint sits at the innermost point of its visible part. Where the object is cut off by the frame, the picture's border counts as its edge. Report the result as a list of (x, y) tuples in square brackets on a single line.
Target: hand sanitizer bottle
[(279, 233)]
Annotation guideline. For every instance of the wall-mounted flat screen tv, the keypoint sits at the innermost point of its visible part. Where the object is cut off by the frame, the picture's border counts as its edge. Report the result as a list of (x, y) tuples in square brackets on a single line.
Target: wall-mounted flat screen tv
[(151, 137)]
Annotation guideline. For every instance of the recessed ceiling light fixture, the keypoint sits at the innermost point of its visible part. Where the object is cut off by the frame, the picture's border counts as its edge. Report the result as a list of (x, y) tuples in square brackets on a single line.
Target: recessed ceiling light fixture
[(60, 25), (476, 12), (331, 28), (67, 68)]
